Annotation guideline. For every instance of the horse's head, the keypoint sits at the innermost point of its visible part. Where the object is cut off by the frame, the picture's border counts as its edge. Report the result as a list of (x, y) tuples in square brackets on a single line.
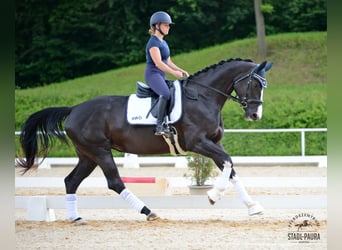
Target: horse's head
[(249, 89)]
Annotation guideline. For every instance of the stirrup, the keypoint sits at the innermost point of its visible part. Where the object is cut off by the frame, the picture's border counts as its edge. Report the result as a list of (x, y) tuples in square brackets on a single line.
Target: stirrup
[(159, 133), (162, 130)]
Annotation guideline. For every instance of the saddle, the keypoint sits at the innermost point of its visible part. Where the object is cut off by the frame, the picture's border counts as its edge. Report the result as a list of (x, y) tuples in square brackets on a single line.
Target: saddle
[(144, 91), (142, 110), (142, 105)]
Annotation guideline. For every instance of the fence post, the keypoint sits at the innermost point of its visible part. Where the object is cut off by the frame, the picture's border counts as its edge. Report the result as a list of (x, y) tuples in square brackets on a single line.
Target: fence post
[(303, 142), (131, 161)]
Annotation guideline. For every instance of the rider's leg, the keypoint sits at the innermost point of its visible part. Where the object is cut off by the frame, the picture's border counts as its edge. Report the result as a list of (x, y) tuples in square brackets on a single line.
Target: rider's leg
[(157, 83), (160, 129)]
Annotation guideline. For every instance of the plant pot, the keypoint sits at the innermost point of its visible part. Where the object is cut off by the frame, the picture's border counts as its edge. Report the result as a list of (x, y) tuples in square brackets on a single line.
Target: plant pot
[(199, 190)]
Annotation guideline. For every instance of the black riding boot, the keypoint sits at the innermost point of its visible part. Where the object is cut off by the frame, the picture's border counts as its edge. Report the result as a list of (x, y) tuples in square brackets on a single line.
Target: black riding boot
[(160, 130)]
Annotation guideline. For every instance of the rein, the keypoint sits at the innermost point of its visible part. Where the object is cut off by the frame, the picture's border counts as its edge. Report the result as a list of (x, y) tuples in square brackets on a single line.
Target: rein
[(234, 98), (242, 101)]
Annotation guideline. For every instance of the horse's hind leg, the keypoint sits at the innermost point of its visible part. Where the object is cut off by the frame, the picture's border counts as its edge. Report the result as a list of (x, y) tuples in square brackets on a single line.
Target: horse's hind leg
[(109, 168), (82, 170)]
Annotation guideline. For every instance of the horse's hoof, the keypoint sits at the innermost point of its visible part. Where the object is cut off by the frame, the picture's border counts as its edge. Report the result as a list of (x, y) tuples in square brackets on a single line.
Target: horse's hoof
[(211, 201), (79, 221), (152, 217), (255, 208), (214, 195)]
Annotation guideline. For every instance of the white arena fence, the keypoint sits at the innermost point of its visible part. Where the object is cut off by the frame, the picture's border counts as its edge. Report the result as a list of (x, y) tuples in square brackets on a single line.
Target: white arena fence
[(42, 208), (302, 132), (133, 161)]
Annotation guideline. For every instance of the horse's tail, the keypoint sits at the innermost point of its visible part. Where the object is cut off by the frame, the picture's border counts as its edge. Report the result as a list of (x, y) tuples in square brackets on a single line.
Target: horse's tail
[(41, 126)]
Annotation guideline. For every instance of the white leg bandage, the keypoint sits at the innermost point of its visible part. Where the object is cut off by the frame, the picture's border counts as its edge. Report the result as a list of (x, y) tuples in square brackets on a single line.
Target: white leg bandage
[(71, 206), (222, 182), (220, 185), (246, 199), (132, 200)]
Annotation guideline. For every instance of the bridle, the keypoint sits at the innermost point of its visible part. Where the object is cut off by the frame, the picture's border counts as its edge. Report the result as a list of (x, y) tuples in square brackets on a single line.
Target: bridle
[(243, 101)]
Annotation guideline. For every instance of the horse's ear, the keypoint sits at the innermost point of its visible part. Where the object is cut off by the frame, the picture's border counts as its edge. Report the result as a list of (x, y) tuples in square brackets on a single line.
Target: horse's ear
[(269, 66), (261, 66)]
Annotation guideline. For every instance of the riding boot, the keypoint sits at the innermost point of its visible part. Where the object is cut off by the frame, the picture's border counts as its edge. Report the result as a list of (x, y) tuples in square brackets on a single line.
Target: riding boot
[(160, 130)]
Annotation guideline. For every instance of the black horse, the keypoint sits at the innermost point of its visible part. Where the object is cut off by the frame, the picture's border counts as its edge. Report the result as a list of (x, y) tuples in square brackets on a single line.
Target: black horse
[(99, 125)]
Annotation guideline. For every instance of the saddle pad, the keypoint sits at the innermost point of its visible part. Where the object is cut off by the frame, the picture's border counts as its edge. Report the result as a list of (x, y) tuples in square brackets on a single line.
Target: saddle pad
[(137, 109)]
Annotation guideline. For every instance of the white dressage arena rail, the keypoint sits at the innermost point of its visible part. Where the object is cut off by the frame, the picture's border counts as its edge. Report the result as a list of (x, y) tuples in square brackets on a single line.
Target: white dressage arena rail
[(174, 182), (128, 161), (133, 161), (41, 208)]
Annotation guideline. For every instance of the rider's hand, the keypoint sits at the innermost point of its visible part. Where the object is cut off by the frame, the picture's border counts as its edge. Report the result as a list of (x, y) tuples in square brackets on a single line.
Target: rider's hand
[(178, 74), (185, 74)]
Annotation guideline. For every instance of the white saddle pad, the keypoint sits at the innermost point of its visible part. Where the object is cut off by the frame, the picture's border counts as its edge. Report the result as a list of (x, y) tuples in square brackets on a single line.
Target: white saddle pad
[(137, 109)]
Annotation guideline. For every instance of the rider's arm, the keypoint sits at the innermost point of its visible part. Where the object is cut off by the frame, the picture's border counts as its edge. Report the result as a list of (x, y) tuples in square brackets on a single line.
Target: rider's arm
[(156, 57), (172, 65)]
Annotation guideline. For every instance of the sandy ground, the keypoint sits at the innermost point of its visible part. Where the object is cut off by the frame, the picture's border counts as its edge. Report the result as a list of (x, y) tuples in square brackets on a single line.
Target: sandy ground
[(177, 228)]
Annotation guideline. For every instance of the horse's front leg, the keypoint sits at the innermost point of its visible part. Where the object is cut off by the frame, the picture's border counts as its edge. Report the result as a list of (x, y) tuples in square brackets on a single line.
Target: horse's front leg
[(224, 162), (254, 207), (221, 184)]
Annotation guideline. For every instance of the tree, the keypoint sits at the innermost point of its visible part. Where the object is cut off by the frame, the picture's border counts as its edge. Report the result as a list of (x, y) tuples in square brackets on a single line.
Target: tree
[(61, 39), (260, 27)]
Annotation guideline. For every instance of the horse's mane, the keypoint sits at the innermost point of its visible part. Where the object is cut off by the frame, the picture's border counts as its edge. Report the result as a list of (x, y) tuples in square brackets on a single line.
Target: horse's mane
[(216, 64)]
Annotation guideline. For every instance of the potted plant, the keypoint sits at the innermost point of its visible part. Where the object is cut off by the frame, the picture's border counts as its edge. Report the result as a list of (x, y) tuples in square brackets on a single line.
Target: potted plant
[(202, 169)]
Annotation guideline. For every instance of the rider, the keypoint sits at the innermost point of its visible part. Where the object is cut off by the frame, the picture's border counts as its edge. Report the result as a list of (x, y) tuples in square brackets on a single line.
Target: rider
[(158, 63)]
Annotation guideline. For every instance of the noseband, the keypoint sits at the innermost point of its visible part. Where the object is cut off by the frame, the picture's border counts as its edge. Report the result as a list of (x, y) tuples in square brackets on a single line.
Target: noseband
[(244, 100)]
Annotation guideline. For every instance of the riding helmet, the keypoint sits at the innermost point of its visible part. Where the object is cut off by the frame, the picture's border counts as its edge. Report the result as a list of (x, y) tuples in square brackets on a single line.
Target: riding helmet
[(160, 17)]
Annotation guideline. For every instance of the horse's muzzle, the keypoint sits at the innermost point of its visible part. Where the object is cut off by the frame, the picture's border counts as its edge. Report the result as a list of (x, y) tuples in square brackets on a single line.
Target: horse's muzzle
[(253, 117)]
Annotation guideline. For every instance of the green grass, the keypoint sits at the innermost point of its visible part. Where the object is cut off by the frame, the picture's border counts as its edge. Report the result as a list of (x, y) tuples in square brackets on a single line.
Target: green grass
[(295, 97)]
